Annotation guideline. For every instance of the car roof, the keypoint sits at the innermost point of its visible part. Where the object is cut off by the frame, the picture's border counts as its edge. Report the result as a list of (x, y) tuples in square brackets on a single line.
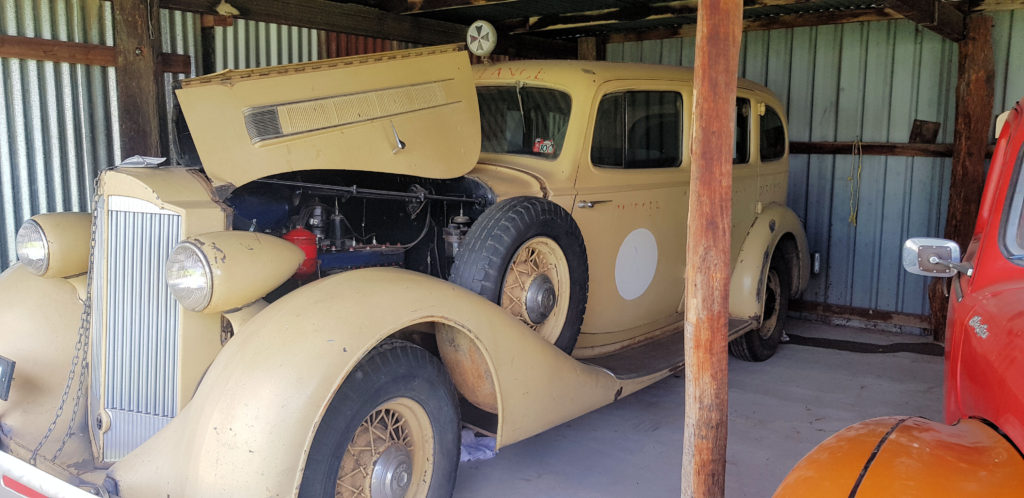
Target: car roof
[(589, 73)]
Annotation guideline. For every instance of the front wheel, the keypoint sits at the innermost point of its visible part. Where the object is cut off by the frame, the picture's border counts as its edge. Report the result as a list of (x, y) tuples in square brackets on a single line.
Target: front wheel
[(392, 430), (761, 343)]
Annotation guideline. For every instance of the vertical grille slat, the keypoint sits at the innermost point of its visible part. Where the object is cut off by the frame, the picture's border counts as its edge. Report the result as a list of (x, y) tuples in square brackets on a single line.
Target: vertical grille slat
[(137, 342)]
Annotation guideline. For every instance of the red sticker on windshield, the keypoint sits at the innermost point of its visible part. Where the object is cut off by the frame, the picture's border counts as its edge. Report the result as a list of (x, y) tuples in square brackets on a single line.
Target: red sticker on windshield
[(544, 146)]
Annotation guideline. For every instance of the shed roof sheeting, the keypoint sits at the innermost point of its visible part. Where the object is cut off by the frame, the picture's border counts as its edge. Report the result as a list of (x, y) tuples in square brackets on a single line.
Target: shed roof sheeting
[(862, 81)]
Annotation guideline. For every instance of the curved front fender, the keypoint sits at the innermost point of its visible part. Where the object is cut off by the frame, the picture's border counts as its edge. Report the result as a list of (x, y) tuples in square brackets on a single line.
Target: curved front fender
[(247, 431), (908, 456), (746, 289)]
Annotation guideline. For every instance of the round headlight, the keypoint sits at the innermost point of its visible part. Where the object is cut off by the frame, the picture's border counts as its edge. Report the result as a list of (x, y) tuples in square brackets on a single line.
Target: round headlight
[(33, 250), (189, 276)]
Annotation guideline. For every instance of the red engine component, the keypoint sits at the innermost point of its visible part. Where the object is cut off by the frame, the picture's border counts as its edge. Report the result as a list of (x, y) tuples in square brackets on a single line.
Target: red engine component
[(306, 241)]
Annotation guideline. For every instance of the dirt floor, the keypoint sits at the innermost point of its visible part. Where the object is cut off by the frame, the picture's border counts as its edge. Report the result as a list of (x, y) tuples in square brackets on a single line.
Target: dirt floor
[(778, 410)]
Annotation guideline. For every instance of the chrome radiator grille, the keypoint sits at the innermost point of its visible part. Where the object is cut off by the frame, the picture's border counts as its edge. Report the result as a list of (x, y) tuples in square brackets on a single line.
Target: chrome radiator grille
[(135, 329)]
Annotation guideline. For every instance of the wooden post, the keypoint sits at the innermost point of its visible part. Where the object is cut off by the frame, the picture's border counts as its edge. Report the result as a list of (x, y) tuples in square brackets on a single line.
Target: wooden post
[(974, 97), (590, 48), (140, 101), (719, 27)]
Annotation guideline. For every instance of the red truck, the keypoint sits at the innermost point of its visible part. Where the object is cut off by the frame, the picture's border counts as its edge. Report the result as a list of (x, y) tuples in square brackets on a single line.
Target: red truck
[(979, 452)]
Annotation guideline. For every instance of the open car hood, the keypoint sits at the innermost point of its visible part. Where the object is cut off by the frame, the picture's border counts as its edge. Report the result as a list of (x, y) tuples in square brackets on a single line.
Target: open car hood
[(411, 112)]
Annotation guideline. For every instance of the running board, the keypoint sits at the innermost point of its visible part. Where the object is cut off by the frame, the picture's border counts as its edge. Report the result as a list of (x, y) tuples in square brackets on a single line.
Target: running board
[(651, 357)]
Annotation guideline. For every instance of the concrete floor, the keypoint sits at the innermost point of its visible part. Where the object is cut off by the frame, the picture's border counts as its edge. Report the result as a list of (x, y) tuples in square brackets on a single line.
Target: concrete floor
[(778, 410)]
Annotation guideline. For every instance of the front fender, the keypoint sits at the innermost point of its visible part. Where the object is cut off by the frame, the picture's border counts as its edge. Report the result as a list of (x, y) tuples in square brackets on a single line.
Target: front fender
[(746, 289), (909, 456), (249, 427), (39, 320)]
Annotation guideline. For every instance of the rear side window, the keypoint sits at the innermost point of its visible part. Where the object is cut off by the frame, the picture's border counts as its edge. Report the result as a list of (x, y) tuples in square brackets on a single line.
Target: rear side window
[(773, 136), (638, 130)]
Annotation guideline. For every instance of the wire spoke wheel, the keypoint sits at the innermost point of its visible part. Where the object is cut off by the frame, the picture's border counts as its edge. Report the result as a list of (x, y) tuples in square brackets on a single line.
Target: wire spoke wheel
[(390, 453), (536, 287)]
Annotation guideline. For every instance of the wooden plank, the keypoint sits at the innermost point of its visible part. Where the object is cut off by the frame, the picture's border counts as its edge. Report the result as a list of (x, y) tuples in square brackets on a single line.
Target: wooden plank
[(590, 48), (767, 23), (139, 82), (864, 314), (366, 21), (935, 15), (974, 94), (997, 5), (719, 29), (21, 47), (872, 149)]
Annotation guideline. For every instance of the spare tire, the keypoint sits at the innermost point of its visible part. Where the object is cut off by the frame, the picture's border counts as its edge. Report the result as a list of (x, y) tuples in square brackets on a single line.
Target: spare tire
[(527, 255)]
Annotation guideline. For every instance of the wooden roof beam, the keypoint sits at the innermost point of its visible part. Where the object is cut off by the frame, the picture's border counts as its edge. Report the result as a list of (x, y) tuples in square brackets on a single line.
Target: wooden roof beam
[(365, 21), (765, 23), (935, 15), (638, 12)]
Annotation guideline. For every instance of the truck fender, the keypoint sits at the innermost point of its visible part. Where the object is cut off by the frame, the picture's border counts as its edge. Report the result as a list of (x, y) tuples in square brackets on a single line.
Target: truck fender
[(909, 456), (249, 427), (746, 290)]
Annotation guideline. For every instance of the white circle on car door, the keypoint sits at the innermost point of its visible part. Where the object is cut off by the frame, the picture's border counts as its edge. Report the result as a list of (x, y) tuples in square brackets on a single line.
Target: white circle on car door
[(636, 263)]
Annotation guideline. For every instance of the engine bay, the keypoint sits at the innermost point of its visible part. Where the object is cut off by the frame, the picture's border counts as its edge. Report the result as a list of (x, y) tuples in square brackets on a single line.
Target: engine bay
[(349, 220)]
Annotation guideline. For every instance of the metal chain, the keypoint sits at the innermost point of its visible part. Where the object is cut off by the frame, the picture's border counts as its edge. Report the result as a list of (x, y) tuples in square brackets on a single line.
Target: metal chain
[(81, 349)]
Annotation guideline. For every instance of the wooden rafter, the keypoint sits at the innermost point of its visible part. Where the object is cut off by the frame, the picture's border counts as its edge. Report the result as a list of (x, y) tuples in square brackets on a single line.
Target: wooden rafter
[(365, 21), (603, 18), (935, 15), (761, 24), (414, 6)]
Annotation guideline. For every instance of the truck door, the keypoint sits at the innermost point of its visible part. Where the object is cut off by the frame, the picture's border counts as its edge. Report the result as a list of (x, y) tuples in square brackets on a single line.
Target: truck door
[(985, 343)]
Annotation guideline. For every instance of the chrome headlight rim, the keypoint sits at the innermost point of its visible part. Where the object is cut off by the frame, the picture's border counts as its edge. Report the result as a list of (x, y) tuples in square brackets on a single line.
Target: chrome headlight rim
[(207, 274), (38, 266)]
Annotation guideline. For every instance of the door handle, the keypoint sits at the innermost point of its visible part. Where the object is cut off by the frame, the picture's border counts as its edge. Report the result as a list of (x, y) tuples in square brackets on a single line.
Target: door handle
[(590, 204)]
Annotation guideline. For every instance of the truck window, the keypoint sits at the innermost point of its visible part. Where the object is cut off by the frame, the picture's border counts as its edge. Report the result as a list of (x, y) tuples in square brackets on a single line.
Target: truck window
[(773, 136), (1012, 229), (523, 120), (638, 129), (741, 147)]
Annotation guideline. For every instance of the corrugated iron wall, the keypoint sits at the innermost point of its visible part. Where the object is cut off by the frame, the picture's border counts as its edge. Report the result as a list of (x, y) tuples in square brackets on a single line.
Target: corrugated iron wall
[(868, 82), (249, 44), (56, 119)]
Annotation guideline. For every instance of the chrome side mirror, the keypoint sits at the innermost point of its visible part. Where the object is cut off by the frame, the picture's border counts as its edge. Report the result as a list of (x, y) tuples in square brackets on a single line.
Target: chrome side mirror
[(933, 257)]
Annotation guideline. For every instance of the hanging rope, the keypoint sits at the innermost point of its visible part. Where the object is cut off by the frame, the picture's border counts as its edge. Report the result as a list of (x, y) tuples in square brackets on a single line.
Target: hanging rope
[(854, 179)]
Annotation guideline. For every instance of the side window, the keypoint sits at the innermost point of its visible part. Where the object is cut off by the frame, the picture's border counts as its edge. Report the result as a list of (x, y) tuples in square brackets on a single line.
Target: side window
[(773, 136), (638, 130), (1012, 229), (741, 149)]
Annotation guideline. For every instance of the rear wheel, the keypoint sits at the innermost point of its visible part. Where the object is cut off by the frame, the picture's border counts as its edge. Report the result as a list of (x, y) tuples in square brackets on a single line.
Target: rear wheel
[(392, 430), (761, 343)]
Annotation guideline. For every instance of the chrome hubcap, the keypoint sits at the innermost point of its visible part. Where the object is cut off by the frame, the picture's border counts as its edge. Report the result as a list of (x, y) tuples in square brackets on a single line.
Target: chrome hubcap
[(540, 299), (392, 473)]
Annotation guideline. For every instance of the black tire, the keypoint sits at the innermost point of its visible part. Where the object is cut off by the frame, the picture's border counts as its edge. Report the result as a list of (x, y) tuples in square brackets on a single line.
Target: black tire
[(394, 371), (497, 236), (761, 343)]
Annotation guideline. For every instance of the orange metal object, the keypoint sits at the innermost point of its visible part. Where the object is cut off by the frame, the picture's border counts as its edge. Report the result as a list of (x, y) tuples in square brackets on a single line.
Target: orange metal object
[(919, 458)]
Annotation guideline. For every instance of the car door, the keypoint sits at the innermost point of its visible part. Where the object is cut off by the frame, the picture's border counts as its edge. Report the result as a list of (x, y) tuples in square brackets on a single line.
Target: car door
[(632, 195), (985, 344)]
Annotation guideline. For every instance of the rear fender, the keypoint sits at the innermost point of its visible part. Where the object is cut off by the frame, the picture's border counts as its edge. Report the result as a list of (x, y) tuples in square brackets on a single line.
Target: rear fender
[(746, 291), (250, 425)]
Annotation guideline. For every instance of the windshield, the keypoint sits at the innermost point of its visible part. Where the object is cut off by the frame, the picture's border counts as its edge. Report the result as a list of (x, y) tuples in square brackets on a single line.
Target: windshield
[(523, 120)]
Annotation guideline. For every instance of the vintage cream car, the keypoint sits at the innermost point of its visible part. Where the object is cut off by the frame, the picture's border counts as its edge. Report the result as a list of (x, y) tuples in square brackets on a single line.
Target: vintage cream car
[(526, 227)]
